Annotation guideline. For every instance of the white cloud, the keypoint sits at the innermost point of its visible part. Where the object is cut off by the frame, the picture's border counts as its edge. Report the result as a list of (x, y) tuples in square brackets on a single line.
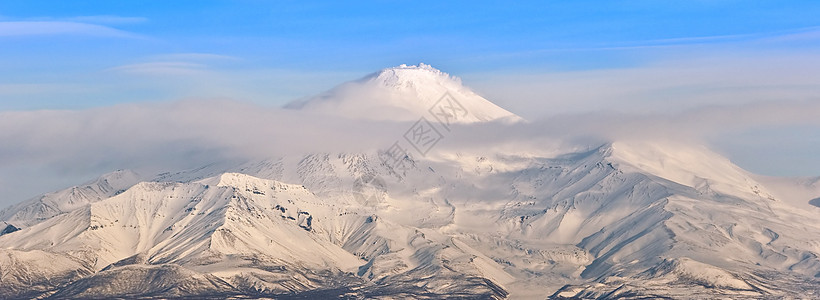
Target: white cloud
[(670, 86), (53, 146)]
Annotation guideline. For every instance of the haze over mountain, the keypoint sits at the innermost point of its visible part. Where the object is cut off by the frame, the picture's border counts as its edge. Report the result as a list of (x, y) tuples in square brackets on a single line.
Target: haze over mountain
[(489, 207)]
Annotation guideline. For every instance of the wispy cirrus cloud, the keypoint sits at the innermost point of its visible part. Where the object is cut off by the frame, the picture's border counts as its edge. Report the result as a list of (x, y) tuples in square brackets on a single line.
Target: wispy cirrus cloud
[(93, 25), (194, 57), (681, 45), (804, 34), (50, 28), (162, 68), (93, 19), (176, 64), (7, 89), (105, 19)]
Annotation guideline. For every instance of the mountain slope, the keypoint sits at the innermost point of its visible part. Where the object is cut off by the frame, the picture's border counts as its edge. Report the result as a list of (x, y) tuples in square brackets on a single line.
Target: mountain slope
[(624, 219)]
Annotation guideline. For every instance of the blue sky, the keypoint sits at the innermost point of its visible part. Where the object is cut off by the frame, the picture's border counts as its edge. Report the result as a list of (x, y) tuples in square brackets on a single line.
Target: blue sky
[(536, 58), (73, 53)]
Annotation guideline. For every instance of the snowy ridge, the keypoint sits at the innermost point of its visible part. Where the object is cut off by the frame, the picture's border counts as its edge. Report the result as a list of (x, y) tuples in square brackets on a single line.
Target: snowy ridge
[(49, 205)]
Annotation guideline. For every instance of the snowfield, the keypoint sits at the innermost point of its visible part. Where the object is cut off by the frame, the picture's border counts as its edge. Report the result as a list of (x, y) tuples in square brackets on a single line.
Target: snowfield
[(628, 219)]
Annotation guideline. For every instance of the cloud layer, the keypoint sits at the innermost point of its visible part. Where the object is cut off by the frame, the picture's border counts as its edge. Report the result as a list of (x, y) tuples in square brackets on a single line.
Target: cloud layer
[(44, 150)]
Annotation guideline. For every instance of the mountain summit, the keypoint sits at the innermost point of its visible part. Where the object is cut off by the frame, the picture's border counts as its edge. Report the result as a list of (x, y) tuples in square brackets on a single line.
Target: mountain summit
[(404, 93)]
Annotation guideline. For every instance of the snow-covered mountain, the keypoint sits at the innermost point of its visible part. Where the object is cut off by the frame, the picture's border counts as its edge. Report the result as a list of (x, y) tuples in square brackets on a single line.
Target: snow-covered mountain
[(405, 93), (628, 219)]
